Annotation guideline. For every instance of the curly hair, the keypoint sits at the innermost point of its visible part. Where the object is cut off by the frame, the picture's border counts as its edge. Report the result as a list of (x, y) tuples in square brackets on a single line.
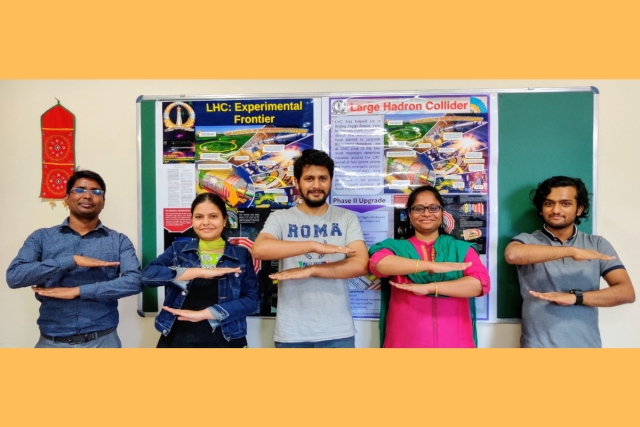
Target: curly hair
[(539, 195), (311, 157)]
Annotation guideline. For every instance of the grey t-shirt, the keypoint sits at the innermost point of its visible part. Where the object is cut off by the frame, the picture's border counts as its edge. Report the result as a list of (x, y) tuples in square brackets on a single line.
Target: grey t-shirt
[(313, 309), (546, 324)]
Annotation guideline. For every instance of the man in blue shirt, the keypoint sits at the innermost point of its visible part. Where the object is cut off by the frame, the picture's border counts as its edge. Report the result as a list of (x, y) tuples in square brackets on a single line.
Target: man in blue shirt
[(78, 271)]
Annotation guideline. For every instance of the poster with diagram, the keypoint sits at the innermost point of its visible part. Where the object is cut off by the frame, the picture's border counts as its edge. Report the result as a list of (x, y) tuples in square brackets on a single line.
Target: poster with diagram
[(384, 147), (239, 149)]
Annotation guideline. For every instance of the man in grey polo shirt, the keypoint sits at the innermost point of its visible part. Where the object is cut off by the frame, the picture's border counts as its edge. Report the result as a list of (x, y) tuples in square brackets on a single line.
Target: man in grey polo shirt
[(559, 268)]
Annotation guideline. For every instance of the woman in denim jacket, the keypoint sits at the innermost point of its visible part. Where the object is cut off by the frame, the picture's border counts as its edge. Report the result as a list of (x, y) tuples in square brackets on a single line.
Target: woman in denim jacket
[(211, 285)]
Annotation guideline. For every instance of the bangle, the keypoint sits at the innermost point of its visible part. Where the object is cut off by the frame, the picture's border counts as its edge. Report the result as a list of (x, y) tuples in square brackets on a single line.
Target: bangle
[(417, 263), (436, 283)]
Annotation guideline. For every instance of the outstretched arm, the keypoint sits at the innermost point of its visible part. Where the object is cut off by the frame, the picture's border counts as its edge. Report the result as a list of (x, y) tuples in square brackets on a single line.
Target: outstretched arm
[(523, 254), (620, 291)]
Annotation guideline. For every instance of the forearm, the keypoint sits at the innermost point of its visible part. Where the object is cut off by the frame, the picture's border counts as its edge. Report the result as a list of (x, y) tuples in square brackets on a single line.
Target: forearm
[(270, 249), (231, 310), (345, 269), (123, 286), (162, 272), (524, 254), (465, 287), (189, 274), (393, 265), (129, 282), (23, 272), (609, 297)]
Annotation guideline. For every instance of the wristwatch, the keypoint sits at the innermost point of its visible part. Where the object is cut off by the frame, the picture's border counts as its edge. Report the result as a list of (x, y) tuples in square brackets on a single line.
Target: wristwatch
[(578, 294)]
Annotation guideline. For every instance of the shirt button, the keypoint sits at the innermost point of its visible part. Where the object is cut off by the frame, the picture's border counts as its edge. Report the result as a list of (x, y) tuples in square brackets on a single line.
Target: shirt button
[(164, 332), (184, 292)]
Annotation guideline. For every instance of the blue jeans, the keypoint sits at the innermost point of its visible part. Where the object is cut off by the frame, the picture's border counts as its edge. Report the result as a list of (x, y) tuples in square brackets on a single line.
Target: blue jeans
[(339, 343), (108, 341)]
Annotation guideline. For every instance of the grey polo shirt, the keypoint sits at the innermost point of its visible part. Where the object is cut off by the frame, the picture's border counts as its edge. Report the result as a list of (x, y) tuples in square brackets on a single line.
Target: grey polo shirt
[(546, 324)]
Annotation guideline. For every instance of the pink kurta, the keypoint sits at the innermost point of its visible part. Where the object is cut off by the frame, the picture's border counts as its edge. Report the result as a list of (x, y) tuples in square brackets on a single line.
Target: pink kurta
[(419, 321)]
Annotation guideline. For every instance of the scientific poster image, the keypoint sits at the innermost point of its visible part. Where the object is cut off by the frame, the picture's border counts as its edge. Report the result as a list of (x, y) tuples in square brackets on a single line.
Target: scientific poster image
[(384, 147), (241, 150)]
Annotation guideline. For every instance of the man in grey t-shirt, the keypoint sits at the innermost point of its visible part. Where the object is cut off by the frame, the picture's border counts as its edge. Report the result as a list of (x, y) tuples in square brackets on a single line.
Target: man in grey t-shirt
[(319, 247), (559, 269)]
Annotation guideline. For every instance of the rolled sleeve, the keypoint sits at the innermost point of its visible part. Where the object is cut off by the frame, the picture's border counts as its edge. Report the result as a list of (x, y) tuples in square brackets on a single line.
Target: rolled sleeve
[(376, 258), (214, 323), (477, 270)]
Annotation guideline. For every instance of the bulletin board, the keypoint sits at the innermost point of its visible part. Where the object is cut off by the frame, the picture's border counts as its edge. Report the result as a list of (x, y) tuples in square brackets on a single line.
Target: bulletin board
[(483, 149)]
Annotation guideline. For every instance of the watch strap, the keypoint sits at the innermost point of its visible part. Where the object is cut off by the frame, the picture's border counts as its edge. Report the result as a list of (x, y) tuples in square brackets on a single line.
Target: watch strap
[(578, 294)]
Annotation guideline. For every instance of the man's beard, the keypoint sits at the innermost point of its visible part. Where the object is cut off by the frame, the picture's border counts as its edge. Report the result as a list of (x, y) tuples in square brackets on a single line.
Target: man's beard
[(559, 226), (314, 203)]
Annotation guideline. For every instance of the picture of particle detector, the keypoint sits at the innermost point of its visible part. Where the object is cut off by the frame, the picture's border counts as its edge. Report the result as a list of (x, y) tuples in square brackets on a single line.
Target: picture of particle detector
[(227, 181), (409, 171)]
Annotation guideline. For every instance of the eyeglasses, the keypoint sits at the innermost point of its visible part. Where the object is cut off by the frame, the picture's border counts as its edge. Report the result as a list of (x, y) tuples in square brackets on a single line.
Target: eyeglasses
[(94, 192), (418, 209)]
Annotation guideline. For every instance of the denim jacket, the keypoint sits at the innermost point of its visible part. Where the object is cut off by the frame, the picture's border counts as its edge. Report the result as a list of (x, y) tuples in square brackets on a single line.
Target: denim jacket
[(237, 293)]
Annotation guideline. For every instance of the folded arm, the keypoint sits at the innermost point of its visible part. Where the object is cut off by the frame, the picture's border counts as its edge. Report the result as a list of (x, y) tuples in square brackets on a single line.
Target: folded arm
[(354, 265), (523, 254), (129, 282), (464, 287), (476, 281), (268, 247), (393, 265), (29, 269), (620, 291)]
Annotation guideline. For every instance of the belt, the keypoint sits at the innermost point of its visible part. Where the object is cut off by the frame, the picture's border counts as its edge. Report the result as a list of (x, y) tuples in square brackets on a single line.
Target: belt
[(80, 338)]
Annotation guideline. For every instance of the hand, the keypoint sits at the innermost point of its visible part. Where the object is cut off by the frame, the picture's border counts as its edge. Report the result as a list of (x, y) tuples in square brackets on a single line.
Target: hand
[(416, 288), (587, 254), (560, 298), (445, 267), (85, 261), (294, 273), (325, 248), (190, 315), (209, 273), (61, 293)]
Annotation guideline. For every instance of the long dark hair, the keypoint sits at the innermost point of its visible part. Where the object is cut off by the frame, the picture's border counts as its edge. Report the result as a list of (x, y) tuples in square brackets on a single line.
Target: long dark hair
[(412, 200)]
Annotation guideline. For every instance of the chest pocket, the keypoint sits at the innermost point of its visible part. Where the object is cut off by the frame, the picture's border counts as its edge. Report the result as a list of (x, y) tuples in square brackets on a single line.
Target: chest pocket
[(230, 285), (105, 248), (182, 261)]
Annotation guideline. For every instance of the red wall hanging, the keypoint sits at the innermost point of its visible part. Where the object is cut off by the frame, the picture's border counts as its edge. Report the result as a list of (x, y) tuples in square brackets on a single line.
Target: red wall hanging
[(58, 152)]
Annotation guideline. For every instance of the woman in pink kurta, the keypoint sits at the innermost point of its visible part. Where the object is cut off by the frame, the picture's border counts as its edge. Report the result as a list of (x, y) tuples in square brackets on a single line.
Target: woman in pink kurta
[(418, 315)]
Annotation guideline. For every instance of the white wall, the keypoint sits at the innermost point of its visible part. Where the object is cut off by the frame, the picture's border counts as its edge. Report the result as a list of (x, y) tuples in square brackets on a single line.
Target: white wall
[(106, 142)]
